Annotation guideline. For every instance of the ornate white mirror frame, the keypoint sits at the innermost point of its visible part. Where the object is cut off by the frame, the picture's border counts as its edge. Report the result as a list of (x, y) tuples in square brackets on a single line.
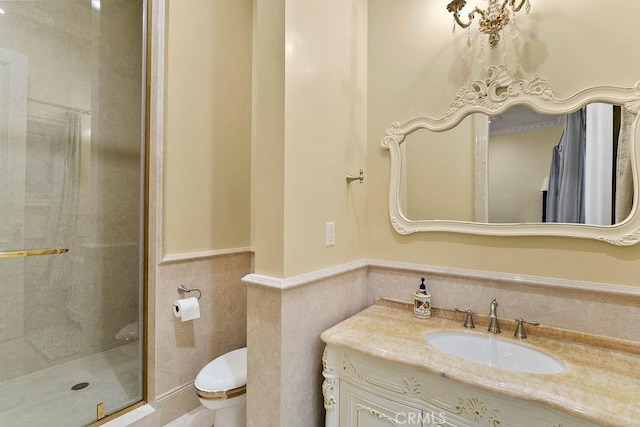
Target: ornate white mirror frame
[(492, 96)]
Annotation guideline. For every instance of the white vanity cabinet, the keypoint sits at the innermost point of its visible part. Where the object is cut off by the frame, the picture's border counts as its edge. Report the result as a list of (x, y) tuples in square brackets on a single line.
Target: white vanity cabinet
[(360, 408), (365, 391)]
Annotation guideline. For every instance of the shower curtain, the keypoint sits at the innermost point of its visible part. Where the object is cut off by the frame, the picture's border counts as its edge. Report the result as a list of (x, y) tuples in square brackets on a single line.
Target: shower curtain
[(53, 152), (63, 208), (52, 182), (565, 198), (65, 182)]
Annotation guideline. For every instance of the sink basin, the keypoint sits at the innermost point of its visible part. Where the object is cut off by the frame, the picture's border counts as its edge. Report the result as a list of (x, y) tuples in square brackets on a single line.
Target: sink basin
[(490, 351)]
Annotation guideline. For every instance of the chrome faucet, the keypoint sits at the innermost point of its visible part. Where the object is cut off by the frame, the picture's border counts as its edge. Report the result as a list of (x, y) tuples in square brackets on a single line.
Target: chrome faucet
[(493, 317)]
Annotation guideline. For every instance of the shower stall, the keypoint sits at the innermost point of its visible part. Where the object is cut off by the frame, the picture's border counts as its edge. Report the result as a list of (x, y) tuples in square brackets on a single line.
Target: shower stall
[(72, 168)]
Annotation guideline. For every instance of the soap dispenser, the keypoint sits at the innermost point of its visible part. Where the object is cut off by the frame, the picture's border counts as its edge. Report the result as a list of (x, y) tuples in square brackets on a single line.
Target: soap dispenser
[(422, 302)]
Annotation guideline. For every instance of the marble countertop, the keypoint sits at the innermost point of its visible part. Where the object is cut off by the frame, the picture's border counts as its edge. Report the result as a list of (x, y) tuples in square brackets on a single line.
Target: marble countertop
[(600, 385)]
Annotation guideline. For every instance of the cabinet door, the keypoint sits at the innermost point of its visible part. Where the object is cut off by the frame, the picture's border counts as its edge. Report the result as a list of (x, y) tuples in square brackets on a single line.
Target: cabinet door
[(360, 408)]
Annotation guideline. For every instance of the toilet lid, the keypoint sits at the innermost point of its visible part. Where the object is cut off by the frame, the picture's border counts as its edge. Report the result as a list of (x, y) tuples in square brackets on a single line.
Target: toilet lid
[(128, 332), (227, 373)]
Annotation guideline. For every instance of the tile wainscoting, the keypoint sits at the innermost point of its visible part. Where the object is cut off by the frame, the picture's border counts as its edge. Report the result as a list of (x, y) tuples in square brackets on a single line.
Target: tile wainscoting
[(595, 308), (285, 317), (176, 351), (285, 320)]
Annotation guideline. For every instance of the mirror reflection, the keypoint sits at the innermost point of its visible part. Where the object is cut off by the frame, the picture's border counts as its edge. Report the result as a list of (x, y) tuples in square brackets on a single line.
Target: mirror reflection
[(522, 166), (438, 182)]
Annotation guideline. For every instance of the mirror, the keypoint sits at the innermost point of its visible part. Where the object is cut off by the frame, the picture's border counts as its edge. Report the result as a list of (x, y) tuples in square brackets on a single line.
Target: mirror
[(486, 166)]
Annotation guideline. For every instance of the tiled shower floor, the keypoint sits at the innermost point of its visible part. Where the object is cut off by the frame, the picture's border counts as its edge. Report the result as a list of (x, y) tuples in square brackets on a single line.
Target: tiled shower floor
[(45, 397)]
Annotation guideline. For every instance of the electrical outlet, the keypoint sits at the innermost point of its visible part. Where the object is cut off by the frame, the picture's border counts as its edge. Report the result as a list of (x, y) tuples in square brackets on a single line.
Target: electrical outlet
[(330, 234)]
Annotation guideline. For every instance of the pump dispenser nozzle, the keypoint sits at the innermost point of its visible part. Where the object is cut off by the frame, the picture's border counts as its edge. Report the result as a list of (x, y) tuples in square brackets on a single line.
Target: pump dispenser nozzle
[(423, 287)]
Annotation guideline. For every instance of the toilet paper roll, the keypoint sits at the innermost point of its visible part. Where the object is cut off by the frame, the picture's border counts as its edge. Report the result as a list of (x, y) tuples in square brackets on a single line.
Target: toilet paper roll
[(186, 309)]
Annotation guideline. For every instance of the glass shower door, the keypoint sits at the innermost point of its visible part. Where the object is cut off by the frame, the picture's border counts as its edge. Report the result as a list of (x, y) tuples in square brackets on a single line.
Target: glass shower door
[(13, 89), (71, 205)]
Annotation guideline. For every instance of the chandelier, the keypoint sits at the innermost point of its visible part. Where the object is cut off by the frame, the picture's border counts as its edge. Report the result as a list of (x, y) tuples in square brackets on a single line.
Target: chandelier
[(493, 19)]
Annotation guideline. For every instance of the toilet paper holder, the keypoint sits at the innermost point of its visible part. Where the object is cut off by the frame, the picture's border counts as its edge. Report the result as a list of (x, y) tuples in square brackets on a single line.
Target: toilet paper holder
[(187, 290)]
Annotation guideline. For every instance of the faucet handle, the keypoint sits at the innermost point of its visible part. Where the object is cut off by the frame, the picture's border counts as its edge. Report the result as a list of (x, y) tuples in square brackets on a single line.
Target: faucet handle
[(468, 323), (520, 333)]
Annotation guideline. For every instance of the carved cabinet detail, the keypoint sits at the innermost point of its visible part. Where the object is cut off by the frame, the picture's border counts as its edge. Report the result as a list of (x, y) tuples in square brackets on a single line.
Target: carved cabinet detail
[(365, 391)]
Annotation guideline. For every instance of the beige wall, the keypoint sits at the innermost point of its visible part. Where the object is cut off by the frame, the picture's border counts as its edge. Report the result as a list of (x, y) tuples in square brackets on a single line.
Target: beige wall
[(310, 133), (313, 85), (268, 136), (208, 125), (415, 68), (199, 198), (299, 171)]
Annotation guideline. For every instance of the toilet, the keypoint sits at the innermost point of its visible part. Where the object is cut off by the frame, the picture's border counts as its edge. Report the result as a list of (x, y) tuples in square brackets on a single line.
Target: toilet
[(221, 386), (128, 333), (128, 337)]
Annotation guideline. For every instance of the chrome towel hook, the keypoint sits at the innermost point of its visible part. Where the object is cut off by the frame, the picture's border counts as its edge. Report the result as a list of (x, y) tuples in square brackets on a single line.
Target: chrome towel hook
[(187, 290), (351, 178)]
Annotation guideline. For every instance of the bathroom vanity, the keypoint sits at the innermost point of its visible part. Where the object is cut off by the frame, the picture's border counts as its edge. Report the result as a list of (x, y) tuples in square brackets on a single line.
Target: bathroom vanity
[(380, 370)]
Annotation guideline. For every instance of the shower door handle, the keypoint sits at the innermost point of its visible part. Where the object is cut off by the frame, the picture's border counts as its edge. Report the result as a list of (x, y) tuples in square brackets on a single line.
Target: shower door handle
[(32, 252)]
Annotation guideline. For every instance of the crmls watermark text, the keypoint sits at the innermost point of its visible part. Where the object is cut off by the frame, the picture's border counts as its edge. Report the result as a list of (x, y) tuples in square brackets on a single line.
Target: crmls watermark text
[(421, 418)]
